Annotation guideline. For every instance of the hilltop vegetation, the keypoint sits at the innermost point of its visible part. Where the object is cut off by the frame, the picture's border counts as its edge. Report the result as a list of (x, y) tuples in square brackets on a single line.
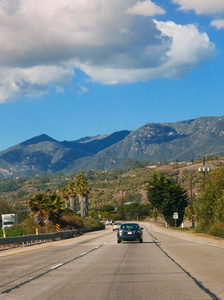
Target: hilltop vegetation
[(115, 187), (106, 187)]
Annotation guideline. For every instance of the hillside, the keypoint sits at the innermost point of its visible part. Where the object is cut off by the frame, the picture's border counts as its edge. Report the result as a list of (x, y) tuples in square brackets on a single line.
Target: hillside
[(153, 142), (107, 186), (44, 154), (161, 142)]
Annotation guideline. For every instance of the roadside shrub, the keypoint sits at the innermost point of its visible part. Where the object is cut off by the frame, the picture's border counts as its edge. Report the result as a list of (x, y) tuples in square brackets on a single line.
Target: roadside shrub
[(92, 223), (70, 222), (217, 229), (13, 232)]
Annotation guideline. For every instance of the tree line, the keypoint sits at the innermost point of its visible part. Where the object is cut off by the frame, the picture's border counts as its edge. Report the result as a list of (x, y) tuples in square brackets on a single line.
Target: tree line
[(46, 208), (165, 196)]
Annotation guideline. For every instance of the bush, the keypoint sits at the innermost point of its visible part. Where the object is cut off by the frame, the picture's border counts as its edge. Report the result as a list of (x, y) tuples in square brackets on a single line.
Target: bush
[(13, 232), (91, 223), (217, 229), (70, 222)]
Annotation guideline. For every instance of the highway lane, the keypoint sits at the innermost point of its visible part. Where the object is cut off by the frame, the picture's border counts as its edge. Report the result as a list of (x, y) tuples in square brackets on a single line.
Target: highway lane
[(94, 266), (202, 257)]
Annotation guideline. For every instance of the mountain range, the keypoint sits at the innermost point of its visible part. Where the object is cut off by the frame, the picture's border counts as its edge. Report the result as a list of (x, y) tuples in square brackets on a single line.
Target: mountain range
[(152, 142)]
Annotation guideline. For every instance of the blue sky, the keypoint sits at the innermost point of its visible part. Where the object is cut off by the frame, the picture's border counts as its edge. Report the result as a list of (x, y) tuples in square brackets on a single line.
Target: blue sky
[(75, 68)]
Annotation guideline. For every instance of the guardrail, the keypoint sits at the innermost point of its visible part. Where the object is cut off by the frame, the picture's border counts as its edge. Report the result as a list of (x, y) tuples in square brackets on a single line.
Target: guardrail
[(35, 238)]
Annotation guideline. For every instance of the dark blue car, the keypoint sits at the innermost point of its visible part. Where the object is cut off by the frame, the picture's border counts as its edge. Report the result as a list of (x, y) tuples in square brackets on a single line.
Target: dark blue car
[(130, 232)]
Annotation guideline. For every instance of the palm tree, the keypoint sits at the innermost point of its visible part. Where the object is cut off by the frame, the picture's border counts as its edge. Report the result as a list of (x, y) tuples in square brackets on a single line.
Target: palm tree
[(46, 208), (69, 194), (82, 190), (54, 208), (64, 194), (37, 206)]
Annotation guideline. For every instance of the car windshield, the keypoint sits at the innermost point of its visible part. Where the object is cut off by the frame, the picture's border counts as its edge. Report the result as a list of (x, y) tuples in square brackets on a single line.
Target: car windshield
[(129, 226)]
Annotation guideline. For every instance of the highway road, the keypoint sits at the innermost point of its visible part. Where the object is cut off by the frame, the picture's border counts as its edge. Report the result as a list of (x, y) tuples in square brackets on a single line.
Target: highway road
[(167, 265)]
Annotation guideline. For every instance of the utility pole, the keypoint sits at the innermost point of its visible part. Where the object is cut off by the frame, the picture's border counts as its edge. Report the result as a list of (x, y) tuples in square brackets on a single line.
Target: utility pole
[(191, 199), (204, 169), (122, 214)]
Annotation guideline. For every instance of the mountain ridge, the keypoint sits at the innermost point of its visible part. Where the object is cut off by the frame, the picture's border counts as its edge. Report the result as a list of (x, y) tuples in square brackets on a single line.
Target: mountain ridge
[(181, 140)]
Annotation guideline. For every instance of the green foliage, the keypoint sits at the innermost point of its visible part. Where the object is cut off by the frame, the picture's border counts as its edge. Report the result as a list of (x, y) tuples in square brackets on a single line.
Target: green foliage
[(8, 185), (46, 208), (71, 221), (107, 208), (5, 208), (82, 189), (137, 211), (140, 164), (94, 214), (121, 211), (91, 223), (127, 163), (167, 197), (13, 232), (209, 206), (106, 187), (81, 185), (156, 190), (132, 197)]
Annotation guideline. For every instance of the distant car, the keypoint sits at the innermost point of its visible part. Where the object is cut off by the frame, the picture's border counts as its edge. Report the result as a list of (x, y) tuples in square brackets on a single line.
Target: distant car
[(110, 222), (130, 232), (116, 226)]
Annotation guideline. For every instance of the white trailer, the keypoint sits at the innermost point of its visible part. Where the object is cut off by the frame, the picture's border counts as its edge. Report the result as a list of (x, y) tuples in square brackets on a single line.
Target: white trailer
[(9, 220)]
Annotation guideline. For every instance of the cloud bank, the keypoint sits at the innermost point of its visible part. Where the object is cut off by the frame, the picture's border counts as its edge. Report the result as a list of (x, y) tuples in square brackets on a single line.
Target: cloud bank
[(42, 43), (207, 7)]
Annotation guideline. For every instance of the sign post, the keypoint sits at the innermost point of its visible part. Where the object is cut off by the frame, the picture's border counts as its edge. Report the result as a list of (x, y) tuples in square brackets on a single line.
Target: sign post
[(175, 217)]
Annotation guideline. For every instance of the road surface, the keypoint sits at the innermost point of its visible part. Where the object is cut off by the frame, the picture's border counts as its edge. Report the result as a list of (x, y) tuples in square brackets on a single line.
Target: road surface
[(167, 265)]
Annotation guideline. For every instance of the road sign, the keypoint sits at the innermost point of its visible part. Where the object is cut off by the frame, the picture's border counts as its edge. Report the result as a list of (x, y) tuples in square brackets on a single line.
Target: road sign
[(175, 215), (57, 227)]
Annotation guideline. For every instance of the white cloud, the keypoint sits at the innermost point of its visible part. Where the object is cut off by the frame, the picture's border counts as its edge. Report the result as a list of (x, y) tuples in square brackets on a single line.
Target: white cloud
[(219, 24), (145, 8), (31, 82), (83, 90), (189, 47), (43, 42), (59, 89), (201, 6)]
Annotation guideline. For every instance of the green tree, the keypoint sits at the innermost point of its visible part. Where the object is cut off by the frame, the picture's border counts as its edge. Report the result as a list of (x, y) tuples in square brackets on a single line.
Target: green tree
[(5, 208), (46, 208), (55, 208), (167, 197), (132, 197), (69, 194), (107, 208), (82, 189), (209, 206), (137, 211), (37, 206), (127, 163), (121, 210)]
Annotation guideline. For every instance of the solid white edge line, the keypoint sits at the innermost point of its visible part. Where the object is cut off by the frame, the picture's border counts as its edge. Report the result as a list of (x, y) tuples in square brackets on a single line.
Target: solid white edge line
[(57, 266)]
